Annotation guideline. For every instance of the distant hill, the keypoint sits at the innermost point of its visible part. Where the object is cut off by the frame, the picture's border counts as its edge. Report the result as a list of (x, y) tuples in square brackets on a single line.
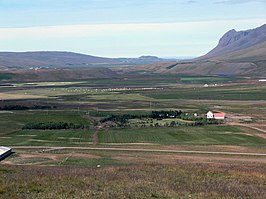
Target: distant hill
[(238, 53), (48, 59), (56, 59), (62, 74), (141, 60)]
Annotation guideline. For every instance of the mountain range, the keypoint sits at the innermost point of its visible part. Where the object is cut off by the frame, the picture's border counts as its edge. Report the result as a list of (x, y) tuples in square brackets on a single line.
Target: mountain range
[(237, 53), (57, 59)]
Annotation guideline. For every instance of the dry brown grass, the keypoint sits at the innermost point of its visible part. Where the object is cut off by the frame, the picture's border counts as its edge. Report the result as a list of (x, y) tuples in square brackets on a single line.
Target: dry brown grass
[(6, 96), (181, 180)]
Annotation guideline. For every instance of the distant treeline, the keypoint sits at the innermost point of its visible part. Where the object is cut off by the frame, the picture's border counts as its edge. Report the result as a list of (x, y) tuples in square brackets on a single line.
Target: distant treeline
[(19, 107), (120, 118), (199, 122), (53, 126), (154, 115), (165, 114)]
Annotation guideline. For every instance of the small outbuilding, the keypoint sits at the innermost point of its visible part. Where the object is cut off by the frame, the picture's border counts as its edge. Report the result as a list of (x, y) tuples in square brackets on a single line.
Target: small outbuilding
[(4, 152), (219, 116)]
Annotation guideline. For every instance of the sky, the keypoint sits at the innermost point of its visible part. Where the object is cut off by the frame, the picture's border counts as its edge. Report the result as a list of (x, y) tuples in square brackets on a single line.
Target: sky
[(124, 28)]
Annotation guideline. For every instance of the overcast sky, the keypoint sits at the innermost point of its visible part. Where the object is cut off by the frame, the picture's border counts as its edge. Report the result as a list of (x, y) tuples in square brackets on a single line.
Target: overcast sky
[(124, 28)]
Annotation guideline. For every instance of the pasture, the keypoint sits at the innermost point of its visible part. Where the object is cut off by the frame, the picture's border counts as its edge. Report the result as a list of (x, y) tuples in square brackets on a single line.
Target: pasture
[(86, 102), (176, 136), (207, 135), (72, 154), (48, 138)]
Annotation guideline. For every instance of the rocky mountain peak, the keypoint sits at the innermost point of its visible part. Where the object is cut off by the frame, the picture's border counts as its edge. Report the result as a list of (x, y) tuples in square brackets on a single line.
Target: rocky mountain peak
[(236, 40)]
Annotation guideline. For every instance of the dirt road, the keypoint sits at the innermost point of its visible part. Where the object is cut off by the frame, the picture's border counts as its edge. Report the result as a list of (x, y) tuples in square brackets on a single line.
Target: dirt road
[(95, 137), (251, 126), (140, 150)]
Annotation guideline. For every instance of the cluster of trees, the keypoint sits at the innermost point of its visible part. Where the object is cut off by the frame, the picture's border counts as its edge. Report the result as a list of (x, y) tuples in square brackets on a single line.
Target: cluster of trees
[(53, 126), (165, 114), (205, 121), (122, 119), (19, 107), (199, 122), (187, 116), (173, 124)]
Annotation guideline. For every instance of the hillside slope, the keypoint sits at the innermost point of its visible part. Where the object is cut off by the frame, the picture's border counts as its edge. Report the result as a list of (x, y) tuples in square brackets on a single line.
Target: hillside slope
[(238, 53), (63, 74), (47, 59), (57, 59), (233, 41)]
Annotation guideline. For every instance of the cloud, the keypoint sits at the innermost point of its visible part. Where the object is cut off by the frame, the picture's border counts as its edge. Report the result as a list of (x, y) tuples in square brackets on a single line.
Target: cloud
[(116, 40), (239, 1), (191, 2)]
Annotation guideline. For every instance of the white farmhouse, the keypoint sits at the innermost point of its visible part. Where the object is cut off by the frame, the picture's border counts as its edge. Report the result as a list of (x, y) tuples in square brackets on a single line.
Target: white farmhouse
[(210, 115)]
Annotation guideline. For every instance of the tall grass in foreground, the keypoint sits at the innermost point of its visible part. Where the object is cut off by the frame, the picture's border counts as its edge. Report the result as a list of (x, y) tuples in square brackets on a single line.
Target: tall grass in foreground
[(183, 180)]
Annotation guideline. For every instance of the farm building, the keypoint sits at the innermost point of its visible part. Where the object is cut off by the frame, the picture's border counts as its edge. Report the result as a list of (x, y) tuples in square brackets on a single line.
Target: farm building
[(217, 116), (4, 152), (210, 115)]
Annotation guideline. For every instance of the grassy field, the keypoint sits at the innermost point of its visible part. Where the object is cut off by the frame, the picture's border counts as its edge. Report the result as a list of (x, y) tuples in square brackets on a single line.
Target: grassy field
[(248, 92), (46, 116), (142, 181), (215, 135), (87, 101), (148, 122), (207, 79), (73, 172), (12, 122), (6, 76), (48, 138), (17, 119), (208, 135), (13, 96), (92, 162)]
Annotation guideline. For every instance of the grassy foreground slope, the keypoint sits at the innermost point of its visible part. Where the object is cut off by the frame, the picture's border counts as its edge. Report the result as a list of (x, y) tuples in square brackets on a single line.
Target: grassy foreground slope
[(182, 180)]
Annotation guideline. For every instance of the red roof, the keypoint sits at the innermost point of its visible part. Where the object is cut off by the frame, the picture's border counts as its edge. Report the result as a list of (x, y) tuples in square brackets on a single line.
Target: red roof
[(219, 114)]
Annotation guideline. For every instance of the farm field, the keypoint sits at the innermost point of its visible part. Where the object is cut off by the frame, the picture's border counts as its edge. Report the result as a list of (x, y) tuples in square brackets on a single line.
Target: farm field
[(86, 102), (98, 147), (216, 135)]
